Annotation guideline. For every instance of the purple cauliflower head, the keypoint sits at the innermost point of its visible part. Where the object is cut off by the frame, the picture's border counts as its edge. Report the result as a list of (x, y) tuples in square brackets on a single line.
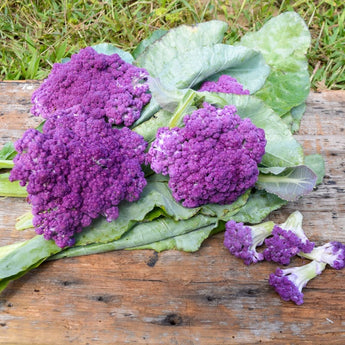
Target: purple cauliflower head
[(77, 169), (104, 86), (225, 84), (212, 159)]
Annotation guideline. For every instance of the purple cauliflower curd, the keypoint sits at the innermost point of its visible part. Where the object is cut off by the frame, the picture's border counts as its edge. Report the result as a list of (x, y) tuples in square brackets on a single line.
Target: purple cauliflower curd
[(213, 159), (104, 86), (77, 169), (225, 84), (284, 244)]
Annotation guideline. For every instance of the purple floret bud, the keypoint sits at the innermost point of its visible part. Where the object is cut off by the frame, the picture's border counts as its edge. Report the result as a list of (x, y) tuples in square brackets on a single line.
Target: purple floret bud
[(225, 84), (283, 245), (212, 159), (332, 253), (288, 283), (288, 239), (104, 86), (77, 169), (242, 241)]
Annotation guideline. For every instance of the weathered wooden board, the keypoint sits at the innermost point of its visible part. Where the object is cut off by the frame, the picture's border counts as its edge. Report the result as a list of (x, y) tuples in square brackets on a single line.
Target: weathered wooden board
[(208, 297)]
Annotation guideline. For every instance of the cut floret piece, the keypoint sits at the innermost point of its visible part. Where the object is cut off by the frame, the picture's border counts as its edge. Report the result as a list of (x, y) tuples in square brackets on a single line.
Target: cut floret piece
[(242, 241), (289, 282), (212, 159), (287, 240), (104, 86), (284, 244), (77, 169), (332, 253), (224, 84)]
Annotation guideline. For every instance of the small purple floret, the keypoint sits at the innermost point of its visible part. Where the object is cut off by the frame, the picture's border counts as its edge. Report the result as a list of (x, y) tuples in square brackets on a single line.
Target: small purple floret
[(337, 258), (225, 84), (285, 286), (213, 159), (332, 253), (288, 283), (77, 169), (242, 241), (104, 86), (285, 244)]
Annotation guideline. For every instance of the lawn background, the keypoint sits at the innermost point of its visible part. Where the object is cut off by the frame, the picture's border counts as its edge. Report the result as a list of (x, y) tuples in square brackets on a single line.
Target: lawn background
[(36, 34)]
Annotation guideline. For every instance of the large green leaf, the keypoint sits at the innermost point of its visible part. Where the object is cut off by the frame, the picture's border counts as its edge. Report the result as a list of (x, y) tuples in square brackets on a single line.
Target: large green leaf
[(285, 90), (283, 41), (4, 282), (20, 258), (148, 129), (147, 112), (247, 66), (180, 39), (282, 150), (5, 250), (187, 55), (259, 205), (156, 35), (189, 242), (144, 234), (289, 184), (190, 67), (109, 49), (225, 212)]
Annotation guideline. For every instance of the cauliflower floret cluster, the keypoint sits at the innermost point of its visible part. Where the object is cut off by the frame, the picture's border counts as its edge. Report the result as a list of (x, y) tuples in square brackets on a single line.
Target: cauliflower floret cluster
[(212, 159), (242, 241), (225, 84), (289, 282), (105, 86), (77, 169)]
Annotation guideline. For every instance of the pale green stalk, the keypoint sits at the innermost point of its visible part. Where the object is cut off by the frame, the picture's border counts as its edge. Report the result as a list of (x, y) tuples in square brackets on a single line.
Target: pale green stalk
[(11, 189), (182, 109), (6, 164), (24, 222)]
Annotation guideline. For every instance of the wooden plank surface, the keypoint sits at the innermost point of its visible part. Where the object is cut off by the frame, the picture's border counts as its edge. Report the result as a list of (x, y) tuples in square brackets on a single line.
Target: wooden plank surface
[(208, 297)]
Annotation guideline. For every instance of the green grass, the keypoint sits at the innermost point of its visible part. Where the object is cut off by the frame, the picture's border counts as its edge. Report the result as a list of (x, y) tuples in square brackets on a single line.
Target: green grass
[(34, 34)]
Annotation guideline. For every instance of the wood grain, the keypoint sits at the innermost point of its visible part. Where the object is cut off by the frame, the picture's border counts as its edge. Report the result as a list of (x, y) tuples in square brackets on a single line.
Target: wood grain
[(208, 297)]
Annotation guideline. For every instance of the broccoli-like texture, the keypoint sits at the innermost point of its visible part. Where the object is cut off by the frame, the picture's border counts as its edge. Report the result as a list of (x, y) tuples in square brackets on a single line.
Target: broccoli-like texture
[(331, 253), (77, 169), (224, 84), (242, 241), (212, 159), (104, 86), (289, 282), (285, 244)]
